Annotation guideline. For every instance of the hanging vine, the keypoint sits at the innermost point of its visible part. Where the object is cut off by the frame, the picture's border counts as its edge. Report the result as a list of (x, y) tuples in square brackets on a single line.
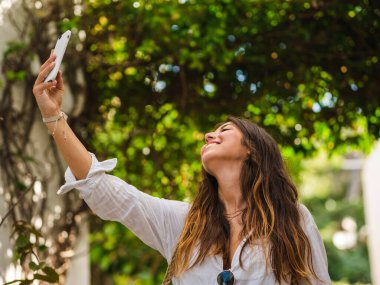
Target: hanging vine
[(42, 235)]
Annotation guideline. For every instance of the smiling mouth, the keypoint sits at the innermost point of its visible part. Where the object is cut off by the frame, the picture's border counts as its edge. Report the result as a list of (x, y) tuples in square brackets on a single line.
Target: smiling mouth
[(208, 146)]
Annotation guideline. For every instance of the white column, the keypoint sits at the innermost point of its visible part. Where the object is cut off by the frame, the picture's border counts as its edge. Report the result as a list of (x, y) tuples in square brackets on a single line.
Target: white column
[(371, 189), (79, 272)]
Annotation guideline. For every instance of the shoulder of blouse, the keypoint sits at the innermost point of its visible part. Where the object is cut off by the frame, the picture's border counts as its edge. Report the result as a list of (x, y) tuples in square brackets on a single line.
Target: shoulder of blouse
[(307, 219)]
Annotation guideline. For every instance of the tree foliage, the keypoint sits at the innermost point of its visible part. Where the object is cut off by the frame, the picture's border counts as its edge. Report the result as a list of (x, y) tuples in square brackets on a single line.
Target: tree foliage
[(165, 72), (159, 74), (305, 70)]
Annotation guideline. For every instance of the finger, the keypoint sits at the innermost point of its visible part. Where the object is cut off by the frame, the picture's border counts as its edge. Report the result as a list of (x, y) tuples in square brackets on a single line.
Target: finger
[(42, 75), (59, 80), (40, 88), (48, 61), (51, 58)]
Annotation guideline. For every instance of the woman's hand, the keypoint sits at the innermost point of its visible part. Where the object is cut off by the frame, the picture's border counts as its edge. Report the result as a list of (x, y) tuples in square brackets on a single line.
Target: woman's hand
[(48, 95)]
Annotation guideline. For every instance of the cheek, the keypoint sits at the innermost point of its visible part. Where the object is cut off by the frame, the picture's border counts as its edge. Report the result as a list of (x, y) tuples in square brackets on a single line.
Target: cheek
[(237, 152)]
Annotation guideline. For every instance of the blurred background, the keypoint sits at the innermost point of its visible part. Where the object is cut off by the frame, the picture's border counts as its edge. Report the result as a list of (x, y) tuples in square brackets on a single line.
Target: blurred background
[(145, 80)]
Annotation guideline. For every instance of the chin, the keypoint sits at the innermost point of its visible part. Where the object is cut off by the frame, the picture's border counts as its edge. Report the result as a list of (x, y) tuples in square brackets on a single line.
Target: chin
[(207, 167)]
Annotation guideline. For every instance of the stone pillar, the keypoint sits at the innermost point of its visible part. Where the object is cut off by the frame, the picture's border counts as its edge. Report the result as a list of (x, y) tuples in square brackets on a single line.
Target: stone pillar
[(371, 192)]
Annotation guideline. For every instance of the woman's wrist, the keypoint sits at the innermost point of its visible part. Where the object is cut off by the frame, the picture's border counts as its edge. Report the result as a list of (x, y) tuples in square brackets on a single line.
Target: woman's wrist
[(52, 123), (50, 113), (55, 118)]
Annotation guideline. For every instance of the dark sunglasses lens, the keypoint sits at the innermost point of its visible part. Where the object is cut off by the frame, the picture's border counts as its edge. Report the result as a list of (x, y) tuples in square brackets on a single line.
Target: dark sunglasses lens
[(226, 278)]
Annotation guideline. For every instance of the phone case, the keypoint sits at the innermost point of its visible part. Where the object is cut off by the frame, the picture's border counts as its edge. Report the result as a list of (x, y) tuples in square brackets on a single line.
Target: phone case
[(59, 49)]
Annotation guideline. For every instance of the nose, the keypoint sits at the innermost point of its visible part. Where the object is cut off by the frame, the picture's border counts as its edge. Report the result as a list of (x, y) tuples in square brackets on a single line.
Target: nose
[(210, 136)]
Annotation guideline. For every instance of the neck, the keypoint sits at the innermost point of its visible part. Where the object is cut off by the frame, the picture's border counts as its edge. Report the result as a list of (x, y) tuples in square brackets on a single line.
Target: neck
[(230, 192)]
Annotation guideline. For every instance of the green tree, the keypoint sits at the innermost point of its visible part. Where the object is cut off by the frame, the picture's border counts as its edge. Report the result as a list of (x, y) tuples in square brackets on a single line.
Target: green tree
[(161, 73), (165, 72)]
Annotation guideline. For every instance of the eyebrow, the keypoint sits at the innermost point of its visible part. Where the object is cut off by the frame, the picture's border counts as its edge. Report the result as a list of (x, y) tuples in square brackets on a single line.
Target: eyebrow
[(224, 125)]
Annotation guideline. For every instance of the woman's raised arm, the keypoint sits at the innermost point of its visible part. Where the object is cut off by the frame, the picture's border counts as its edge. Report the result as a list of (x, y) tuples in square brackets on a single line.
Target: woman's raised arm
[(157, 222), (49, 98)]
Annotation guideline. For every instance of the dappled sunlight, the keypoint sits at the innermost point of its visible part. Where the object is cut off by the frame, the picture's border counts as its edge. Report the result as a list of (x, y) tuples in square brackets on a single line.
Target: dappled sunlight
[(151, 78)]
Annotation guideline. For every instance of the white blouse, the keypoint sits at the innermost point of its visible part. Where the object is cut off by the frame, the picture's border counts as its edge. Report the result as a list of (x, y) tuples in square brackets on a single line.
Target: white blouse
[(159, 222)]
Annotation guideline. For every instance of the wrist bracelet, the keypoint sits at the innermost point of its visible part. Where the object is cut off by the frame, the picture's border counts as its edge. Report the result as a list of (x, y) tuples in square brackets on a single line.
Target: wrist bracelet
[(56, 119)]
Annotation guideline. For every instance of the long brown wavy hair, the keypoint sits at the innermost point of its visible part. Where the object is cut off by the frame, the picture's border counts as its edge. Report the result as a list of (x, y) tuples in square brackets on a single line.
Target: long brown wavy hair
[(271, 217)]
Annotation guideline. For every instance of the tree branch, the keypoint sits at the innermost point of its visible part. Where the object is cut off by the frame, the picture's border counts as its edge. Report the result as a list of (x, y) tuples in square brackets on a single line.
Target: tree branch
[(18, 201)]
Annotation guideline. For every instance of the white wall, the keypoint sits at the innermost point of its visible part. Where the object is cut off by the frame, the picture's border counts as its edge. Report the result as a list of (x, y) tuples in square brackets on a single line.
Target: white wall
[(7, 33)]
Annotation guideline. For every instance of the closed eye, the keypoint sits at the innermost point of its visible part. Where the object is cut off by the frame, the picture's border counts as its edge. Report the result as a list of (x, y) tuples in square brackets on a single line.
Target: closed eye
[(223, 130)]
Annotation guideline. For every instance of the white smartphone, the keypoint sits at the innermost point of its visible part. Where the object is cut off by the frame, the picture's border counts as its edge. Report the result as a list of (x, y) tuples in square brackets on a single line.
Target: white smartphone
[(59, 50)]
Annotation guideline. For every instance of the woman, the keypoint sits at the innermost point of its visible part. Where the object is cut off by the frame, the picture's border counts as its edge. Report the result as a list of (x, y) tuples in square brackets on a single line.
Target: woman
[(245, 225)]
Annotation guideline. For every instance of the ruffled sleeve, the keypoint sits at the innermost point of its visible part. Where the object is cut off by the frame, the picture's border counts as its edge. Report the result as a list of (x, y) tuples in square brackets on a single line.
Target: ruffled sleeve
[(85, 185), (157, 222)]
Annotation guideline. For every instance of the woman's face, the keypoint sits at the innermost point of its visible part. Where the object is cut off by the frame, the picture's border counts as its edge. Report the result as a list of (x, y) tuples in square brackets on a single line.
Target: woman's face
[(223, 148)]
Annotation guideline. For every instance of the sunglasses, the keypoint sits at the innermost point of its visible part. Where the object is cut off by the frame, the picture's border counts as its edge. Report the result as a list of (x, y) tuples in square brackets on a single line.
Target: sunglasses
[(226, 277)]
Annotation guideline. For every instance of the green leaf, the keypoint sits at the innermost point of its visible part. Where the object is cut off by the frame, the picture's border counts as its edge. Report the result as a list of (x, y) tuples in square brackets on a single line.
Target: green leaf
[(22, 242), (34, 266), (42, 247), (45, 278), (51, 273), (15, 47), (15, 75)]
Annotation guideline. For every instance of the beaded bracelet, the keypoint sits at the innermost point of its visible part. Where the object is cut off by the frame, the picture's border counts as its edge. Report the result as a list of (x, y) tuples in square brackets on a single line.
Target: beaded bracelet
[(56, 119)]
